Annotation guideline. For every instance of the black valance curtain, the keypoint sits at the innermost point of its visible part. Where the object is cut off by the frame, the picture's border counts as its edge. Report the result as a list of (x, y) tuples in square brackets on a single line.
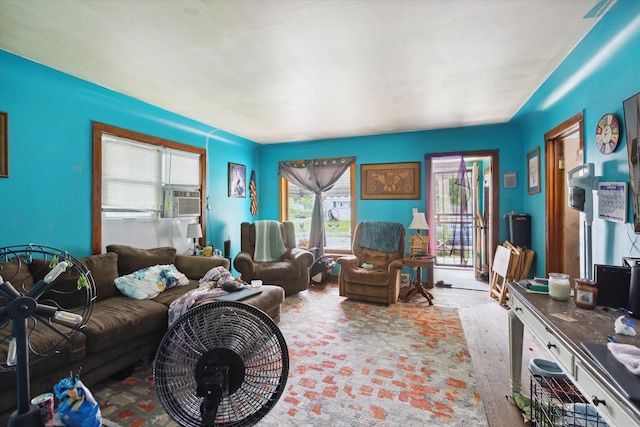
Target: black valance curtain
[(317, 176)]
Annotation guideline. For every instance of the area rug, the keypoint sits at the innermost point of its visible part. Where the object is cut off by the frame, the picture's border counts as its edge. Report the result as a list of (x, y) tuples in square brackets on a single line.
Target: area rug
[(351, 363)]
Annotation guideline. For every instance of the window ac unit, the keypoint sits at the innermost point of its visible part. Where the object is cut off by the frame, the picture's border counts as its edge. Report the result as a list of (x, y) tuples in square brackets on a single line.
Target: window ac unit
[(182, 203)]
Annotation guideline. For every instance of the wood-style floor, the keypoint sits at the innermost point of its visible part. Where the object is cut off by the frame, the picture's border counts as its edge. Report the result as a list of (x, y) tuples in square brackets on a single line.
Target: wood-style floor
[(486, 329)]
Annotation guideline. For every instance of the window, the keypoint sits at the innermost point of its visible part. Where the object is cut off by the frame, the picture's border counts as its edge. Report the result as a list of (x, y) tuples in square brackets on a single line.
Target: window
[(339, 213), (131, 172)]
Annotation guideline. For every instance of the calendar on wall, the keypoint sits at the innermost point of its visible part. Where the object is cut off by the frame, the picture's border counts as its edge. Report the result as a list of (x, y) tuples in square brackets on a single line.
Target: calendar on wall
[(612, 201)]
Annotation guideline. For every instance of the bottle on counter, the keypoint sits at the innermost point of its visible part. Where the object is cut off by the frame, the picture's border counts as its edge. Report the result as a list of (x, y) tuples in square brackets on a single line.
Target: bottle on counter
[(585, 293), (559, 286)]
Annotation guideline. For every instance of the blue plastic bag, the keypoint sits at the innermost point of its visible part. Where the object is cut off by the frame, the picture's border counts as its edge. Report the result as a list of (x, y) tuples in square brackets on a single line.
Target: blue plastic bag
[(77, 407)]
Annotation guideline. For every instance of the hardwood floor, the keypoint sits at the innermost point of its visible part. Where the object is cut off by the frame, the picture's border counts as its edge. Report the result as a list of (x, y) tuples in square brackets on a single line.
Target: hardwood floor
[(486, 328)]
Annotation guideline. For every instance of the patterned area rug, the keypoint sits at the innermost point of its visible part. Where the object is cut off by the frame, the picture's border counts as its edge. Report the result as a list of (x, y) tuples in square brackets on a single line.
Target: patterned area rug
[(351, 363)]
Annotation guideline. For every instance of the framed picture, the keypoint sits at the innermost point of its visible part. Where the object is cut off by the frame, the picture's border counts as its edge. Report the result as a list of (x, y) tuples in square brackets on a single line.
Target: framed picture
[(533, 171), (631, 108), (4, 145), (510, 179), (237, 180), (390, 181)]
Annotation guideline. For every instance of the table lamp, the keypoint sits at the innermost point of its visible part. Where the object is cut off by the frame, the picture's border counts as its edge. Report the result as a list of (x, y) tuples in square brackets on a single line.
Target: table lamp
[(417, 242), (194, 231)]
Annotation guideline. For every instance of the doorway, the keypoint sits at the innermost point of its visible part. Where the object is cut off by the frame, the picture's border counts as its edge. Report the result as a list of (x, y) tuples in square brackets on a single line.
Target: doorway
[(564, 150), (460, 209)]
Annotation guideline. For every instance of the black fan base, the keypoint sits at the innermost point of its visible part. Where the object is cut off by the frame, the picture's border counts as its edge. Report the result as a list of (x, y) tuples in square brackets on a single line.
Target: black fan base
[(31, 418)]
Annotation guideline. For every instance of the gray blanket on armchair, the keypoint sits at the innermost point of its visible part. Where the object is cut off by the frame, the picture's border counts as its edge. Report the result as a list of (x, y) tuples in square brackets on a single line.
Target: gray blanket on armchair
[(380, 235)]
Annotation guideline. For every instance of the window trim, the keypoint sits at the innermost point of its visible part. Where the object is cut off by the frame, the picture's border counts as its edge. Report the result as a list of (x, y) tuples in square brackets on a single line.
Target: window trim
[(96, 203), (283, 204)]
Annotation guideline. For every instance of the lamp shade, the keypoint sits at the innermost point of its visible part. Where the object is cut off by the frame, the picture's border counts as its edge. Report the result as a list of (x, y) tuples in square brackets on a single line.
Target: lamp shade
[(419, 222), (194, 231)]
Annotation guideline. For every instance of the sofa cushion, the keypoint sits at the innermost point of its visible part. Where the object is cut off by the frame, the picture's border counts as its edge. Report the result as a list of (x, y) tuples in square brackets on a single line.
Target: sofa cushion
[(103, 269), (131, 259), (16, 272), (168, 295), (119, 319)]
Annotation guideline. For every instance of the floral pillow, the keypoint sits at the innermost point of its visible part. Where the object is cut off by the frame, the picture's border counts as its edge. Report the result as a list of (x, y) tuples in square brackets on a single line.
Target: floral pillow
[(148, 282)]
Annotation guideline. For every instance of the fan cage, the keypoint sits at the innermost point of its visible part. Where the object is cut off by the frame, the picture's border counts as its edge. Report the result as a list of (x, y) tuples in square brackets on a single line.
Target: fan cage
[(18, 265), (239, 327)]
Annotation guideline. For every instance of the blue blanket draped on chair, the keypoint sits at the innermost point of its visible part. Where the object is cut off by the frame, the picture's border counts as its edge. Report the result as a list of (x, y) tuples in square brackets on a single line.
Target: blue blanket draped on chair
[(380, 235), (269, 244)]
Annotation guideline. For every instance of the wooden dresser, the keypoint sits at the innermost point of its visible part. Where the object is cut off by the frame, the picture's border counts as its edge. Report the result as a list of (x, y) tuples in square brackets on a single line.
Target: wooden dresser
[(561, 327)]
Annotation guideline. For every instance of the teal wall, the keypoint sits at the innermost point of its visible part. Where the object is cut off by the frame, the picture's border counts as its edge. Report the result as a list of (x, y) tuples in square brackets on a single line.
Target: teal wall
[(595, 79), (47, 198), (398, 147)]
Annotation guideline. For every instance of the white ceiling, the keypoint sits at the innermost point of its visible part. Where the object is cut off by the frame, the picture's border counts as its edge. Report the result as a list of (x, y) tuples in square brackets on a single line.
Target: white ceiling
[(280, 71)]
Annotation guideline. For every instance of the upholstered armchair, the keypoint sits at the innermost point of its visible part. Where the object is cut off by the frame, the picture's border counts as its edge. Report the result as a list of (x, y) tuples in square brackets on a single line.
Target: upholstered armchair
[(372, 273), (289, 271)]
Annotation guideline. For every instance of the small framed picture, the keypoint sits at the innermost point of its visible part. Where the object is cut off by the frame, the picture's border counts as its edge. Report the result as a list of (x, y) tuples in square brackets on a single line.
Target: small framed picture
[(4, 145), (533, 171), (510, 179), (237, 180)]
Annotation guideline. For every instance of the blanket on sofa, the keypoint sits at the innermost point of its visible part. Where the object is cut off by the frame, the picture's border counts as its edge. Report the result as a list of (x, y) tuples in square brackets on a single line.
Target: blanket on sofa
[(269, 244), (380, 235)]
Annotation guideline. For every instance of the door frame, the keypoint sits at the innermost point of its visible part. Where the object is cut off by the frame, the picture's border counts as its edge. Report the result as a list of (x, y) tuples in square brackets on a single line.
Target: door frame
[(494, 225), (555, 199)]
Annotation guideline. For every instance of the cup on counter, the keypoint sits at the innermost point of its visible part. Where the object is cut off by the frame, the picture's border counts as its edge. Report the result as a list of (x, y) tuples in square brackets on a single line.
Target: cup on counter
[(44, 402)]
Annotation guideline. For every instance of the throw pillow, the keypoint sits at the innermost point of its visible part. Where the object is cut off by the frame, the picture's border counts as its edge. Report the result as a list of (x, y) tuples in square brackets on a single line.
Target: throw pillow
[(131, 259), (148, 282)]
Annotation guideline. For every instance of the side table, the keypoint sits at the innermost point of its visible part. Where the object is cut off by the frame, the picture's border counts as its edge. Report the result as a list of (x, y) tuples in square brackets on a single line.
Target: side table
[(418, 286)]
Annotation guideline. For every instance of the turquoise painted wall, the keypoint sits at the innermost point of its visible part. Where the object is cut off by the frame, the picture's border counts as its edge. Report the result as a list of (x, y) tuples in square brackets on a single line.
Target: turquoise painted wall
[(398, 147), (47, 197), (595, 79)]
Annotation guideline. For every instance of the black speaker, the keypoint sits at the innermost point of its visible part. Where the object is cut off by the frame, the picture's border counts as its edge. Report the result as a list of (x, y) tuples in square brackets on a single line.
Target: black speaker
[(519, 229), (227, 249), (634, 292)]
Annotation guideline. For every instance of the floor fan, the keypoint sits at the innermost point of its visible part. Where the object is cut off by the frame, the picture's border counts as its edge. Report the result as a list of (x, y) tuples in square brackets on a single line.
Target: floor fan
[(43, 292), (221, 364)]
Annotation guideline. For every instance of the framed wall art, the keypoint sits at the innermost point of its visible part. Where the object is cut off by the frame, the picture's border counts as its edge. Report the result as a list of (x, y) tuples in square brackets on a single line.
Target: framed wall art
[(390, 181), (533, 171), (4, 145), (510, 179), (631, 108), (237, 180)]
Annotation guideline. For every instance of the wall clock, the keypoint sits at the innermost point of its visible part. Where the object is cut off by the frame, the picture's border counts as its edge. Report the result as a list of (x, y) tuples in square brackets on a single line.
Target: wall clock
[(607, 134)]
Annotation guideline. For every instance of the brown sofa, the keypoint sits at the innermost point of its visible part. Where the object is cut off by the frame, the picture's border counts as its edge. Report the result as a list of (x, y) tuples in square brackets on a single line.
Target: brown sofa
[(381, 282), (120, 330), (291, 271)]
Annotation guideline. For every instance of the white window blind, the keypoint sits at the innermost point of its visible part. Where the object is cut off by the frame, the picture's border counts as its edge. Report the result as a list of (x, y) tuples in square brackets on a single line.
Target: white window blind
[(131, 175), (182, 168)]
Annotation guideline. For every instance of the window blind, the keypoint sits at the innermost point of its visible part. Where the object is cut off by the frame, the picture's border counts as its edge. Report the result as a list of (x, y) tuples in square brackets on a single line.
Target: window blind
[(131, 175), (182, 168)]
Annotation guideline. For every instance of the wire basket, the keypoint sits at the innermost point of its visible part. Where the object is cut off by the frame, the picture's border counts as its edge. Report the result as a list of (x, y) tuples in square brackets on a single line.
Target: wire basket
[(557, 402)]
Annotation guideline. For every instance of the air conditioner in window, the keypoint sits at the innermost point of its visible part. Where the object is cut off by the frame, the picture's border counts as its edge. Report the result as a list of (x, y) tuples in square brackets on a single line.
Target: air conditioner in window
[(181, 203)]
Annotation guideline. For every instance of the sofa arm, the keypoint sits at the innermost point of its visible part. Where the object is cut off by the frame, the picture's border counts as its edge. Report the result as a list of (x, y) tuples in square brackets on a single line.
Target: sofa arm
[(395, 265), (195, 267), (243, 263), (348, 261), (301, 257)]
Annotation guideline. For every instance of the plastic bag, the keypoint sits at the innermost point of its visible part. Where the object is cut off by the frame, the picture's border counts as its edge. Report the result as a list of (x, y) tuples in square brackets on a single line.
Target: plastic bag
[(77, 407)]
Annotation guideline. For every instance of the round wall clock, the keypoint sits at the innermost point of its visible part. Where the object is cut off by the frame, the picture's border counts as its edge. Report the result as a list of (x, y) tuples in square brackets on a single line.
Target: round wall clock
[(607, 134)]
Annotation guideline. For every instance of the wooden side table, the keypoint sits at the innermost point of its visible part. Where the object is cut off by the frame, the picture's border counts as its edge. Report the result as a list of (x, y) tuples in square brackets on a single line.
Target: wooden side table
[(418, 286)]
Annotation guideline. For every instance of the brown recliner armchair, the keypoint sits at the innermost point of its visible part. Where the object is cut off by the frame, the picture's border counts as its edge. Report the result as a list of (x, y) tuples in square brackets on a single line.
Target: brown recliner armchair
[(379, 281), (291, 271)]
